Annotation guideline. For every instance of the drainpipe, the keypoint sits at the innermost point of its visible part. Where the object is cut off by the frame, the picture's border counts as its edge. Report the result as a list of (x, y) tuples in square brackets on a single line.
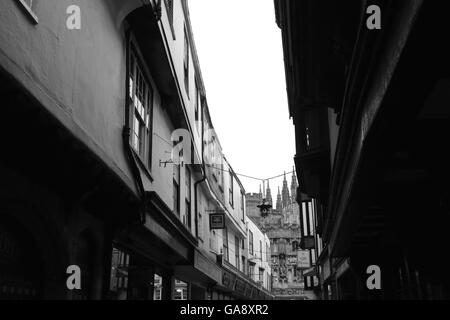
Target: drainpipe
[(203, 179), (126, 134)]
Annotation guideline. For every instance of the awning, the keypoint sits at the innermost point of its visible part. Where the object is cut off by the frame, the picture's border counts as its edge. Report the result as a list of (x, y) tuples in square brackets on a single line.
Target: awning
[(202, 270)]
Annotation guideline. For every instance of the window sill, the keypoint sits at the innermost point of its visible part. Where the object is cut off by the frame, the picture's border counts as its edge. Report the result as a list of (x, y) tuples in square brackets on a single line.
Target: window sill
[(143, 165), (29, 12)]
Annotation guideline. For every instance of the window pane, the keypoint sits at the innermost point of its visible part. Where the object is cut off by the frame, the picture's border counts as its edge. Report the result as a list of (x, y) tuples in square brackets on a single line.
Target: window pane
[(157, 287), (176, 198), (131, 88), (141, 93), (119, 274), (181, 292), (188, 184)]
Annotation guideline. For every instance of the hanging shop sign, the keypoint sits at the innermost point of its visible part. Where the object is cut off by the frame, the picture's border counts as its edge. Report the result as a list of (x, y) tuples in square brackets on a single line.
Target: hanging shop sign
[(303, 259), (216, 219), (307, 242), (310, 272)]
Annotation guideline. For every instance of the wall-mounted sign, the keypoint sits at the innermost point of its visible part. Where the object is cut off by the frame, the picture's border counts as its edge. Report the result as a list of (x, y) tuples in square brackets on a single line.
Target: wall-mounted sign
[(310, 272), (287, 292), (240, 286), (228, 280), (303, 259), (248, 291), (307, 242), (217, 220)]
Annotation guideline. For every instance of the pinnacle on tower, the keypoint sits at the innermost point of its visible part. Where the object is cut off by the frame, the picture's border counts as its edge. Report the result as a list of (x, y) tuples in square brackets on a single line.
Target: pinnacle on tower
[(268, 193), (294, 186), (278, 205), (285, 198)]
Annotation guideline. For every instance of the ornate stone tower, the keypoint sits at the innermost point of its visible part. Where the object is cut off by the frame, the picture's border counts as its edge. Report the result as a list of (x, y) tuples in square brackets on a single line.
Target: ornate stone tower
[(268, 193), (279, 203), (294, 186), (285, 198)]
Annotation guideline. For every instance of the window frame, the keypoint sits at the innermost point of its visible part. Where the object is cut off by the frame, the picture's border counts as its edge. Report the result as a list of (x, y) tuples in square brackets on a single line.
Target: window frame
[(250, 242), (243, 206), (225, 245), (197, 106), (237, 244), (119, 281), (231, 190), (188, 197), (186, 61), (176, 189), (261, 249), (200, 226), (251, 271), (261, 274), (137, 65)]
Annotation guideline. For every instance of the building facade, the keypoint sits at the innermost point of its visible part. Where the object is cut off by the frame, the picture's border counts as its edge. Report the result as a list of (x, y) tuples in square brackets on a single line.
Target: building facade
[(118, 166), (259, 259), (283, 229), (290, 264), (369, 106), (252, 200)]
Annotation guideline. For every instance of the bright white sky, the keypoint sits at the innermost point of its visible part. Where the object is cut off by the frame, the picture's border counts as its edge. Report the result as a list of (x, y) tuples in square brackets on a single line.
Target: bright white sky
[(241, 57)]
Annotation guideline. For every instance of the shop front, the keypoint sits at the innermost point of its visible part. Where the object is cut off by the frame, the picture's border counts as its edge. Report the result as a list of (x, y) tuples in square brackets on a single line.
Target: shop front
[(236, 286), (21, 274)]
